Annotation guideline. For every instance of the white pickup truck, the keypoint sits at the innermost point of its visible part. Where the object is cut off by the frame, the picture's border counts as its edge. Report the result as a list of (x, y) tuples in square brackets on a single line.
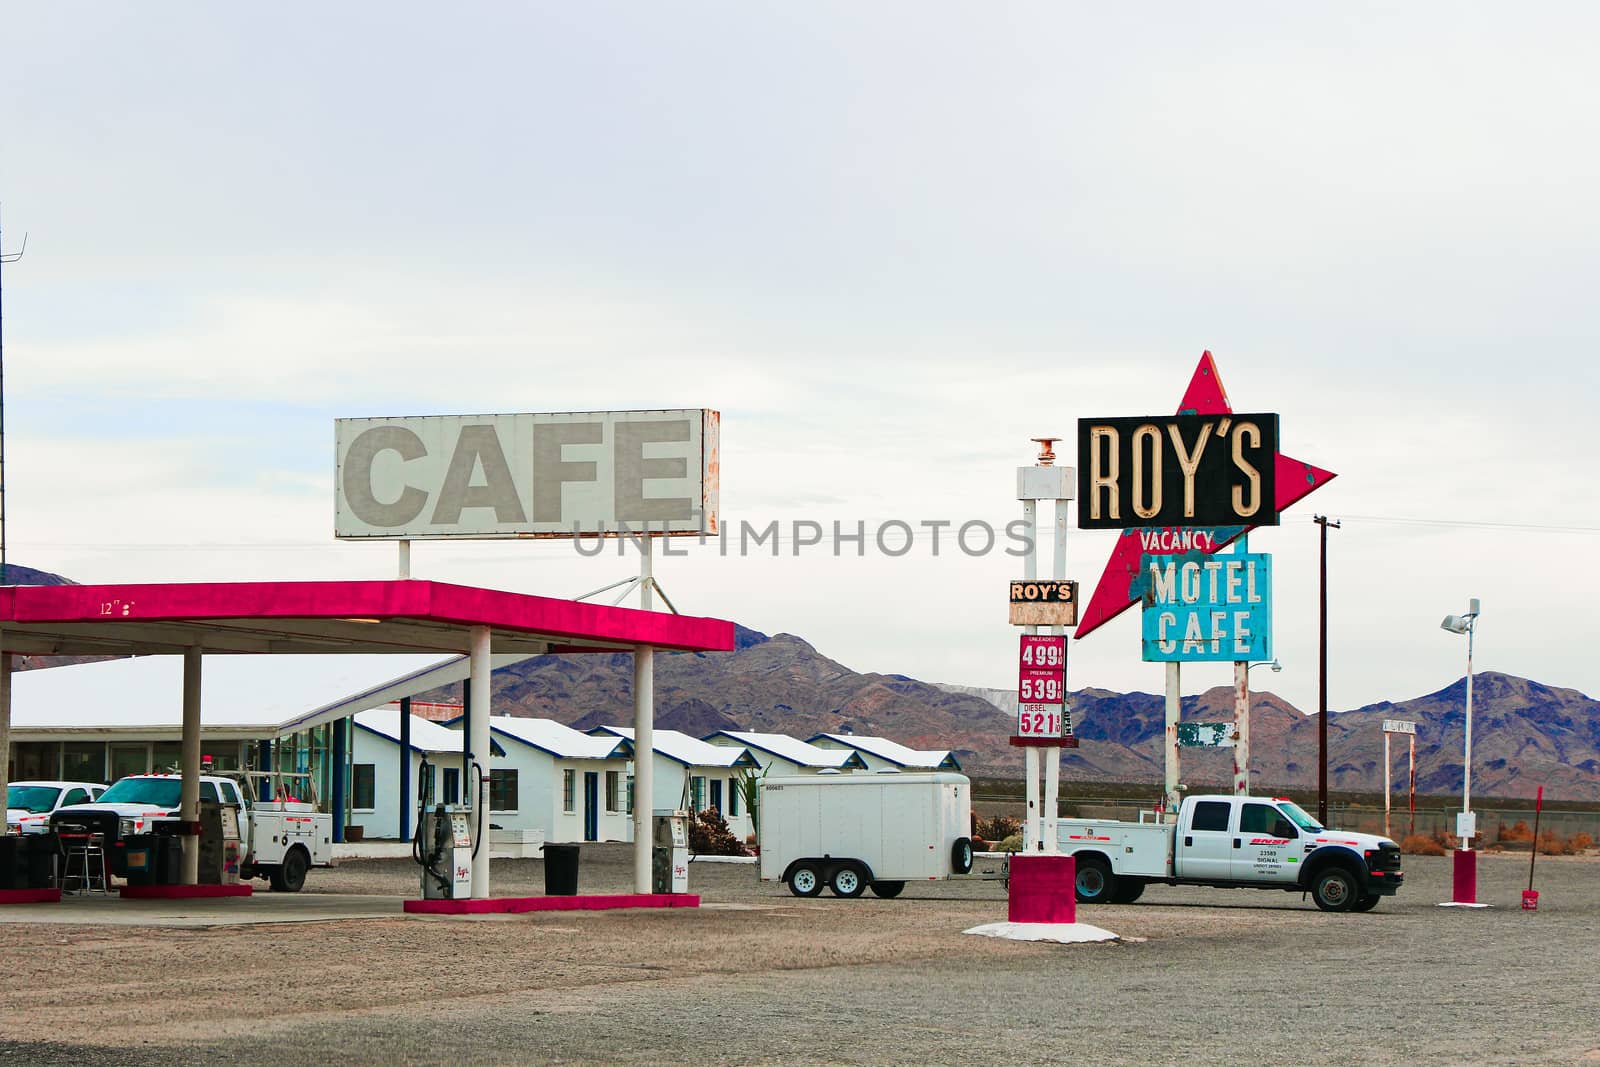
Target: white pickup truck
[(279, 838), (1232, 842)]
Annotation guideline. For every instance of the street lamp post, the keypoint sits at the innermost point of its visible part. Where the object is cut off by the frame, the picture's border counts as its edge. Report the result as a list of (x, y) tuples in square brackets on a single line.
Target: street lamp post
[(1241, 723), (1465, 889)]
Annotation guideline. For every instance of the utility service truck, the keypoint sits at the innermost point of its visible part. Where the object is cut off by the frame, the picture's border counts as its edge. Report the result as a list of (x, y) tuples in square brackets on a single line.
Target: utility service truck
[(850, 832), (281, 832), (1232, 843)]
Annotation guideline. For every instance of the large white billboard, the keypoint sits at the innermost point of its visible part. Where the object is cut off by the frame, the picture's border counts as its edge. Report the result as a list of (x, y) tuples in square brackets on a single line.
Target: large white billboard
[(538, 475)]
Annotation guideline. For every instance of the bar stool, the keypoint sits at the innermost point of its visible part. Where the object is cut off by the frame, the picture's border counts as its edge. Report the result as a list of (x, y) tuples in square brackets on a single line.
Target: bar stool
[(86, 864)]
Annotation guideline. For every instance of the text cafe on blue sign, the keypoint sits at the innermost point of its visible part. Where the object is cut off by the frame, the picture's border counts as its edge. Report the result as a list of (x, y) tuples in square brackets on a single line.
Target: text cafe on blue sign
[(1200, 606)]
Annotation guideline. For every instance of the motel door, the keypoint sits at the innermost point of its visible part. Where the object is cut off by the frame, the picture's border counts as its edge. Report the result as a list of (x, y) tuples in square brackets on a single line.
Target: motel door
[(591, 805), (716, 793)]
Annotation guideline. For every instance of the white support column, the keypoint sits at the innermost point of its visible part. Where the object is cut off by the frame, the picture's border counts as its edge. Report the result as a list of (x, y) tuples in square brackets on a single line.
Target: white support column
[(1241, 728), (189, 793), (1052, 754), (5, 717), (1387, 775), (481, 668), (1172, 797), (644, 747), (405, 558), (1033, 829), (644, 731)]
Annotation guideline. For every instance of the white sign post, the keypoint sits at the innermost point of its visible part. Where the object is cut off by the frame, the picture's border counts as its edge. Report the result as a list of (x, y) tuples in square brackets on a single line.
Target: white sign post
[(1042, 717), (1399, 726)]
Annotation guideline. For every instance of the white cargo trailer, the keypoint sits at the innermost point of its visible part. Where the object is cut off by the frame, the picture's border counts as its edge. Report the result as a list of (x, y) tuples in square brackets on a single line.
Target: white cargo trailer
[(852, 831)]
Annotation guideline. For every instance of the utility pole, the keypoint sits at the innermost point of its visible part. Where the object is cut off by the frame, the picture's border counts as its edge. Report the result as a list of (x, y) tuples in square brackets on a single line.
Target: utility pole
[(1322, 679), (5, 257)]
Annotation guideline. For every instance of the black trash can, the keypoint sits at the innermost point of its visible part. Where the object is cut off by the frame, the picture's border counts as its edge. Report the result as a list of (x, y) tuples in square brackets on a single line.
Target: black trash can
[(39, 864), (561, 870), (12, 867), (139, 857)]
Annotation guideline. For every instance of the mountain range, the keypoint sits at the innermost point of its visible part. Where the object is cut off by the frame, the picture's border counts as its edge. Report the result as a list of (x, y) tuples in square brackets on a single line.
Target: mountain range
[(1525, 733)]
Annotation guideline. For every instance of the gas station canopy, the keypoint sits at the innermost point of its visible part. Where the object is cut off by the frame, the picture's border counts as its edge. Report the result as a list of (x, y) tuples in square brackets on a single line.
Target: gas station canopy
[(306, 617)]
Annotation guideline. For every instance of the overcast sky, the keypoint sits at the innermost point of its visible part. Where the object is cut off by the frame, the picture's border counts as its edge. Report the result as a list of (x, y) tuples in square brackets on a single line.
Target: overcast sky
[(889, 242)]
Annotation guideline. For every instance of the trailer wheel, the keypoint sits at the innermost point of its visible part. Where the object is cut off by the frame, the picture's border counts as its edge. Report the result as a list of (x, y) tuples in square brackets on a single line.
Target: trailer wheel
[(290, 875), (1366, 903), (961, 855), (887, 890), (848, 880), (1095, 884), (805, 880), (1128, 890), (1334, 889)]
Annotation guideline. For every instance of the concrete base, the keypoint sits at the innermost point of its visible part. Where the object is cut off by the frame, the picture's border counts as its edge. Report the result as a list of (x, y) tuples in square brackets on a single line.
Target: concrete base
[(183, 892), (607, 902), (1060, 933), (1463, 904), (30, 896)]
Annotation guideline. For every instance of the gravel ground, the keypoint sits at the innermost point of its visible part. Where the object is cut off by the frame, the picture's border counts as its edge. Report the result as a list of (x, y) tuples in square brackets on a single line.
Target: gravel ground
[(757, 976)]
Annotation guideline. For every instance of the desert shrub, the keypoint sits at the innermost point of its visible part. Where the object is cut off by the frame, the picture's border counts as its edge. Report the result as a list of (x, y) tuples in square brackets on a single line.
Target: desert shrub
[(1012, 843), (1580, 842), (1421, 845), (1553, 844), (1518, 834), (997, 828), (709, 835)]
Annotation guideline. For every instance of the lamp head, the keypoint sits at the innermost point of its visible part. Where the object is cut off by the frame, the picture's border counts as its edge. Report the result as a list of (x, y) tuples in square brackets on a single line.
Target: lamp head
[(1277, 668), (1456, 624)]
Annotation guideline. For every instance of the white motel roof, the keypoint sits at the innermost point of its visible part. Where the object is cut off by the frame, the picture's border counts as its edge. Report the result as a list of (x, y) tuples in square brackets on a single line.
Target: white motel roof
[(559, 740), (241, 697), (426, 735), (894, 751), (790, 748), (689, 751)]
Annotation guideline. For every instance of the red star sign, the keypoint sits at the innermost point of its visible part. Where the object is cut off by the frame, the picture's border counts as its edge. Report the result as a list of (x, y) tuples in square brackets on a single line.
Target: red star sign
[(1113, 595)]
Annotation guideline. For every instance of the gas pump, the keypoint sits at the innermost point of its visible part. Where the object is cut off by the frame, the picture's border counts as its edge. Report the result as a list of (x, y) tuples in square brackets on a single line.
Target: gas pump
[(443, 845), (669, 856)]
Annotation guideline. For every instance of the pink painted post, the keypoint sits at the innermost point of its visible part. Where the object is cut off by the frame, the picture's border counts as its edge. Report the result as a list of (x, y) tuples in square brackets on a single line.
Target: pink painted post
[(1464, 883), (1042, 889)]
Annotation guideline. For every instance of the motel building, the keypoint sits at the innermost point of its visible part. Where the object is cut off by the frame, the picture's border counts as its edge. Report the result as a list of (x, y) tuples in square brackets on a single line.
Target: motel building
[(882, 754), (376, 803), (780, 754), (560, 782), (694, 775)]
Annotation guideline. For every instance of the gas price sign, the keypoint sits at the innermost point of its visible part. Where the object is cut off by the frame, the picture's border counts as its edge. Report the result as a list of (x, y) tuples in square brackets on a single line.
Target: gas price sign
[(1041, 685)]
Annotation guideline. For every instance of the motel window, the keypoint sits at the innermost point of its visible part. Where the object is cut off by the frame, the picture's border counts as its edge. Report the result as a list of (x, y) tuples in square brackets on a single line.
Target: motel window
[(630, 794), (569, 790), (613, 791), (363, 786), (452, 785), (697, 793), (502, 790), (82, 762), (733, 797)]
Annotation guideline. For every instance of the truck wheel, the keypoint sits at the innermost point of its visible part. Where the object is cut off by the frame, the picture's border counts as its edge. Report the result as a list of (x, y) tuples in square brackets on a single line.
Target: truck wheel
[(1334, 889), (849, 881), (1095, 883), (1366, 903), (290, 875), (887, 890), (961, 855), (805, 880), (1128, 890)]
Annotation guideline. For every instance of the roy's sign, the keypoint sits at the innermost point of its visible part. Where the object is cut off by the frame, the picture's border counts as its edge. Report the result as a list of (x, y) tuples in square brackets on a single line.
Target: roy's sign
[(1177, 470), (1202, 606), (536, 475)]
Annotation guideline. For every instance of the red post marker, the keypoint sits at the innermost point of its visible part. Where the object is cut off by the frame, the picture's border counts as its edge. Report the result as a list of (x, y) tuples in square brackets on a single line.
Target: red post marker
[(1530, 895)]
